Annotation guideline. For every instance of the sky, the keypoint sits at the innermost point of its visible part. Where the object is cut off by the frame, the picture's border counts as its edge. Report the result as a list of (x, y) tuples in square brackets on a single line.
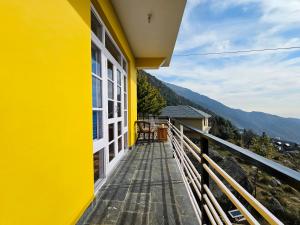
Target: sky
[(266, 81)]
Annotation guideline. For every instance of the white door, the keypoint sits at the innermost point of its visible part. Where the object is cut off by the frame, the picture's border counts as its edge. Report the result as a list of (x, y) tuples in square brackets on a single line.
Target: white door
[(115, 115), (99, 125), (109, 77)]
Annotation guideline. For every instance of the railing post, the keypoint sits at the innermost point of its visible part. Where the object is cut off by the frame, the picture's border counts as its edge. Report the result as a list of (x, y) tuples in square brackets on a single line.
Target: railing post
[(204, 177), (181, 144)]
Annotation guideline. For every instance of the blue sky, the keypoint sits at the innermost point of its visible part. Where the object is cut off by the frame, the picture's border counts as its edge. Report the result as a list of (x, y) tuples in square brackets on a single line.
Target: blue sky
[(268, 81)]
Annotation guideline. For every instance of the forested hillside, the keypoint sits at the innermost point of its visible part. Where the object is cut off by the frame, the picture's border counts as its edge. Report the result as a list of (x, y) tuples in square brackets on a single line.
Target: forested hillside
[(220, 126)]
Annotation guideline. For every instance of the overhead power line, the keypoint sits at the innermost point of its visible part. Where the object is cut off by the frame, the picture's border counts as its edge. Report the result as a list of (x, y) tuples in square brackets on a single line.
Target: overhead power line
[(240, 51)]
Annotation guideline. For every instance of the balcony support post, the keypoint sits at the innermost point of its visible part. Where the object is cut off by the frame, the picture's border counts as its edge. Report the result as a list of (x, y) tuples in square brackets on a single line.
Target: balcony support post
[(204, 177)]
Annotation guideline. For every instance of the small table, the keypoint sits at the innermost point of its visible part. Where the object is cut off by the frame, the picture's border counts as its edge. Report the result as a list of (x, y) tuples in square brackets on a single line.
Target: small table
[(162, 134)]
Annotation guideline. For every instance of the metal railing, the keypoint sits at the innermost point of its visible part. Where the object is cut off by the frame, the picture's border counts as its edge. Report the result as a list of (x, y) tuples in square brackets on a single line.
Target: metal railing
[(205, 205)]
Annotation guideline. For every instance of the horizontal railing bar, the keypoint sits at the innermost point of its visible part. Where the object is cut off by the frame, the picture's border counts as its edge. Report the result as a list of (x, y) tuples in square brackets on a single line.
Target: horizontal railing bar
[(266, 214), (232, 198), (190, 149), (217, 206), (284, 173), (191, 195), (210, 217), (212, 210), (196, 187), (194, 146), (190, 164)]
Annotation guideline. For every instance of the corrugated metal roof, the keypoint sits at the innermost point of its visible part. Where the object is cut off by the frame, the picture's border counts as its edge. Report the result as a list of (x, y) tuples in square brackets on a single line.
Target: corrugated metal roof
[(183, 111)]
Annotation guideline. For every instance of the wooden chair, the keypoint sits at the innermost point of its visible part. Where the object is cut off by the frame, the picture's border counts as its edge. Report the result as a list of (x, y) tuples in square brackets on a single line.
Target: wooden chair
[(144, 128)]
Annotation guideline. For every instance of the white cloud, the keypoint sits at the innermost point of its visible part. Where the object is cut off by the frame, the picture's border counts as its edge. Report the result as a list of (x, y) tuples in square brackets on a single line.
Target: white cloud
[(268, 82)]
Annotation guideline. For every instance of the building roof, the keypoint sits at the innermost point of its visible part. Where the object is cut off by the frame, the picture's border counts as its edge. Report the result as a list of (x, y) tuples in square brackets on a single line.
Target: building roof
[(151, 28), (183, 111)]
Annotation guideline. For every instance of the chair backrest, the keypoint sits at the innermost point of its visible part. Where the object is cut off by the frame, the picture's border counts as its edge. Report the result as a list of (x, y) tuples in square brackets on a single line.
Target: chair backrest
[(141, 125)]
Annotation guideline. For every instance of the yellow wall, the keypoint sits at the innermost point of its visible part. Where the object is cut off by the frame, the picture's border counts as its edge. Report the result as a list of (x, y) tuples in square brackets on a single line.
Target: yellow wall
[(46, 113), (46, 174)]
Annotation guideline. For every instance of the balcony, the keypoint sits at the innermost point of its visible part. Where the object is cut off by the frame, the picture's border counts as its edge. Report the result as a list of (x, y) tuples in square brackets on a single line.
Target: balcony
[(169, 183), (145, 188)]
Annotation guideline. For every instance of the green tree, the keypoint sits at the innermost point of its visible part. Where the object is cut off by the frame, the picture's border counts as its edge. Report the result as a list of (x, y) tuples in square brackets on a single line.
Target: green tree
[(150, 100), (263, 146)]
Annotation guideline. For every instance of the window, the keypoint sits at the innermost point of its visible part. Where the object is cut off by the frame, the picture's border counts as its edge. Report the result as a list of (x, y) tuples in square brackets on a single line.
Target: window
[(111, 151), (97, 93), (97, 124), (111, 132), (110, 109), (110, 46), (119, 128), (119, 80), (126, 140), (125, 118), (124, 64), (110, 89), (96, 60), (120, 147), (96, 26), (110, 70), (125, 100), (99, 165)]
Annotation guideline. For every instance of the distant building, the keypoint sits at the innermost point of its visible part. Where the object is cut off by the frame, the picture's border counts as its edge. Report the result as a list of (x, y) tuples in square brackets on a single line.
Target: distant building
[(188, 115)]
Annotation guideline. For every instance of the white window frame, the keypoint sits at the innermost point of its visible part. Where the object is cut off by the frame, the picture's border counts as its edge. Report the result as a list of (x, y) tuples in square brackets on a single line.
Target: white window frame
[(104, 142)]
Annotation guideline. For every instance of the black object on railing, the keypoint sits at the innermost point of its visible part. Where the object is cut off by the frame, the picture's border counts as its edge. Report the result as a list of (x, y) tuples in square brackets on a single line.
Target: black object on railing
[(284, 173)]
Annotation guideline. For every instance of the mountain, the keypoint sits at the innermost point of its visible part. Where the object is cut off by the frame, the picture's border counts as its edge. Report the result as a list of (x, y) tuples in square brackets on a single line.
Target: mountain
[(274, 126), (220, 127)]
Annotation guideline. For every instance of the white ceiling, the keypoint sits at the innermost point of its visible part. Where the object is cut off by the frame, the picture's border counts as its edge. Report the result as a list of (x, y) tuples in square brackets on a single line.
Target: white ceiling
[(154, 39)]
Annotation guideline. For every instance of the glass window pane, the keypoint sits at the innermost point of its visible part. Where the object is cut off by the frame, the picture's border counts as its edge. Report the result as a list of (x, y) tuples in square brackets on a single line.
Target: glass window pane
[(125, 118), (120, 144), (99, 165), (111, 132), (97, 93), (96, 167), (119, 93), (97, 125), (96, 60), (100, 125), (125, 84), (110, 109), (110, 90), (125, 101), (96, 26), (119, 128), (110, 46), (119, 109), (110, 70), (119, 77), (111, 151), (124, 65), (125, 140)]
